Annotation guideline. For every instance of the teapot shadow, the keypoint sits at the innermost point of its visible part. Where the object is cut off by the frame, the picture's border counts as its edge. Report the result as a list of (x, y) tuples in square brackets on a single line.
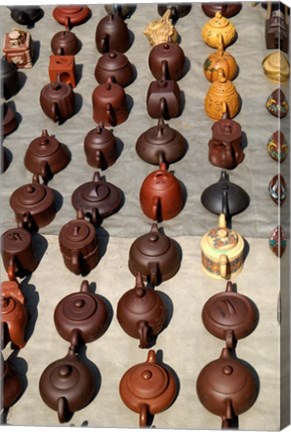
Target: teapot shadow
[(32, 301), (109, 308)]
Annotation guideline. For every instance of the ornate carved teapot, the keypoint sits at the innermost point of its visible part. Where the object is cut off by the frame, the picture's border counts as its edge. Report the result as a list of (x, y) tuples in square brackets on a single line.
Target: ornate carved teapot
[(216, 27), (220, 59), (161, 29)]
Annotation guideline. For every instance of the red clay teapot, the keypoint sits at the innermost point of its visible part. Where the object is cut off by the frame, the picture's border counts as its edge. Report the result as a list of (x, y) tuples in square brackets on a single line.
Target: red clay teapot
[(141, 313), (71, 15), (161, 195), (112, 34)]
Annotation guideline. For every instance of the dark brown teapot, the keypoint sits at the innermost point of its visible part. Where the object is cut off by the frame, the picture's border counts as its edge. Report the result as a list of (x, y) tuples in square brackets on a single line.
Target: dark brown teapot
[(228, 10), (26, 15), (98, 199), (154, 255), (115, 65), (81, 317), (57, 101), (227, 388), (33, 204), (161, 143), (65, 43), (163, 99), (9, 79), (141, 313), (161, 195), (178, 10), (109, 104), (122, 10), (11, 384), (148, 388), (100, 147), (79, 245), (46, 156), (67, 385), (167, 60), (8, 119), (112, 34)]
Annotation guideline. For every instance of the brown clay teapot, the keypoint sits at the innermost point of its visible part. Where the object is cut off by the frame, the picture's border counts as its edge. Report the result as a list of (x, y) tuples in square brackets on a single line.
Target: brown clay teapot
[(57, 101), (109, 104), (167, 60), (67, 385), (112, 34), (163, 99), (33, 204), (220, 59), (228, 10), (81, 317), (154, 255), (161, 143), (141, 313), (115, 65), (123, 10), (161, 195), (227, 388), (72, 15), (100, 147), (17, 250), (8, 119), (14, 315), (79, 245), (178, 10), (229, 315), (148, 388), (65, 43), (11, 384), (46, 156), (98, 199), (225, 146)]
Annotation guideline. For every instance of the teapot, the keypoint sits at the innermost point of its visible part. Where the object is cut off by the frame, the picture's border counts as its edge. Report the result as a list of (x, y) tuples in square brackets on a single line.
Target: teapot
[(217, 29), (109, 104), (161, 195), (79, 245), (72, 15), (122, 10), (161, 29), (227, 388), (57, 100), (222, 251), (33, 204), (67, 385), (178, 10), (148, 388), (11, 384), (98, 198), (141, 313), (26, 15), (115, 65), (8, 119), (228, 10), (81, 317), (9, 79), (167, 60), (163, 99), (221, 92), (220, 59), (155, 256), (161, 143), (100, 147), (225, 146), (112, 35), (46, 156), (65, 43)]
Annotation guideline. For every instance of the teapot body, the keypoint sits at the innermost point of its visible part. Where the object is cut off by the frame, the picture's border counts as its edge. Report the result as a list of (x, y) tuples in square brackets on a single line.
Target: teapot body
[(57, 101), (163, 99), (216, 28), (114, 64), (112, 35), (100, 147), (167, 60)]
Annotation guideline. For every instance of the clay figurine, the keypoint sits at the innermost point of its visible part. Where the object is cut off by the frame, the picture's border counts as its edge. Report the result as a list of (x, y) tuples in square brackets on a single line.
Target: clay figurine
[(148, 388), (112, 34), (161, 29), (276, 67), (277, 146), (161, 195), (220, 59), (276, 27), (72, 15), (18, 48), (277, 104), (278, 241), (141, 313), (278, 189), (222, 251), (218, 29), (228, 10)]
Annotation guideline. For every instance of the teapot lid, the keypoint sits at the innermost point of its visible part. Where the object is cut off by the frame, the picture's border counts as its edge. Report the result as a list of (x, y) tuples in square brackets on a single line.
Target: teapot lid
[(226, 130), (153, 243), (225, 197), (98, 194), (15, 240), (112, 61), (73, 14), (29, 195), (108, 90), (76, 231), (56, 90), (229, 311), (160, 134), (160, 179), (45, 145), (64, 36), (98, 135)]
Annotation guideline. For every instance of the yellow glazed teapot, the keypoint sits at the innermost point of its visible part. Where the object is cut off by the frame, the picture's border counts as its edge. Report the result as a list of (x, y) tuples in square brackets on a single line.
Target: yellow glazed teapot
[(221, 92), (218, 25), (220, 60), (222, 251)]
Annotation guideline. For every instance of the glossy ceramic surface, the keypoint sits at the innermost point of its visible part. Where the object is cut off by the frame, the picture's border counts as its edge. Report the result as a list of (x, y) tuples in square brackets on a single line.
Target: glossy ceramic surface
[(277, 104)]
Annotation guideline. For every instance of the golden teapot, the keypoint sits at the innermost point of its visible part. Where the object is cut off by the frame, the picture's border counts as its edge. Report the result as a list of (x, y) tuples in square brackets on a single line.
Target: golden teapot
[(218, 25), (220, 59), (221, 92)]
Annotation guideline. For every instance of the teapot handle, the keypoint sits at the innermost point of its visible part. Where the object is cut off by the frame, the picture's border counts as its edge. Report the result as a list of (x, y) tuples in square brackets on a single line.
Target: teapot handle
[(155, 207), (45, 170), (143, 334), (165, 69), (153, 273), (63, 409), (143, 415), (223, 261), (104, 43), (163, 107), (54, 112), (220, 45), (76, 261), (26, 221)]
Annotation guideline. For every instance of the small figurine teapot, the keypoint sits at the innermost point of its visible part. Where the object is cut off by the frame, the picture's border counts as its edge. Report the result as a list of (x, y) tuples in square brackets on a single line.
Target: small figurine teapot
[(222, 251), (161, 29), (220, 59), (221, 91), (216, 27)]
